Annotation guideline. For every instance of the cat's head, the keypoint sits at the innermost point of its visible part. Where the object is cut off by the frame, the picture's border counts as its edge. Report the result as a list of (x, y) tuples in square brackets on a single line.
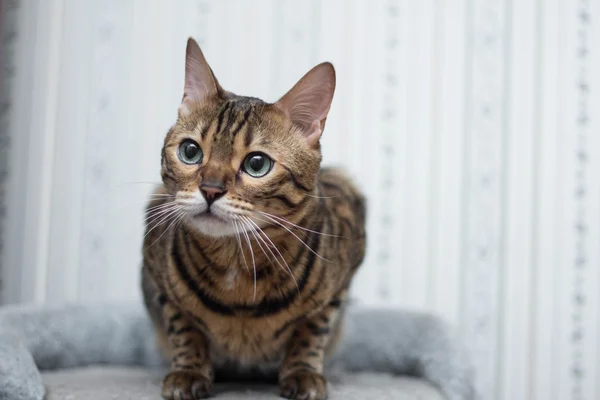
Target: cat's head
[(231, 157)]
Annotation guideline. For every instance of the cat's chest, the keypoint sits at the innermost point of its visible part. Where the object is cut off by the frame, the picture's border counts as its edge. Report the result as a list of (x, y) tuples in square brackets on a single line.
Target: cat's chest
[(246, 340), (240, 327)]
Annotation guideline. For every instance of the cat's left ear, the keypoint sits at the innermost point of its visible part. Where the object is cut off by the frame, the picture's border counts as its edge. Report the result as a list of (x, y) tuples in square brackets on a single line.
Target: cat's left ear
[(200, 82), (307, 103)]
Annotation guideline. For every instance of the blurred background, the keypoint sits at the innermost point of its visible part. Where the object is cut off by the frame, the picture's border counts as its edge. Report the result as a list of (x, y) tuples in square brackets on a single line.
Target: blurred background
[(473, 126)]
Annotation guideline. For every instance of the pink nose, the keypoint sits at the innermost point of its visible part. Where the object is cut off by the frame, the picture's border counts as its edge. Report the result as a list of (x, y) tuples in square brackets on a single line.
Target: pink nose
[(208, 191), (212, 190)]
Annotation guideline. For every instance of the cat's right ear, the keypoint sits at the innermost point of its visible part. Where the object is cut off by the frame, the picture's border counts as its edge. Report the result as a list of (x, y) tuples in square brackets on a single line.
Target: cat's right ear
[(200, 82)]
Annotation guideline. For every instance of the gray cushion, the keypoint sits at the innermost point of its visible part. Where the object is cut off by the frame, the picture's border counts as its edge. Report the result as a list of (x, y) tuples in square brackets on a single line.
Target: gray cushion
[(105, 383), (36, 339)]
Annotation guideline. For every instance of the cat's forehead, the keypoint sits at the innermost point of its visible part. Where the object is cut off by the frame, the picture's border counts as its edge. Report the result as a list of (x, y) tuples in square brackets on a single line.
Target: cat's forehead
[(229, 123), (241, 102), (236, 116), (234, 105)]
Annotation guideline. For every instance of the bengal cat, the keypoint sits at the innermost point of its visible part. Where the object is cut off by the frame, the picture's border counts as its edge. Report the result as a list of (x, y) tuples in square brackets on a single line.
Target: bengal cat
[(250, 246)]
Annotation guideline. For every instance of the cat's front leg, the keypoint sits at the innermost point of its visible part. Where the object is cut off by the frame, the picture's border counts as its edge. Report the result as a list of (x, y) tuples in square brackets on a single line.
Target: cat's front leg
[(191, 375), (301, 373)]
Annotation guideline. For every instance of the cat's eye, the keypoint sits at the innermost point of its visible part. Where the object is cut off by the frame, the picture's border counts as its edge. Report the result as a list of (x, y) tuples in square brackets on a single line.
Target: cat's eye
[(190, 152), (257, 164)]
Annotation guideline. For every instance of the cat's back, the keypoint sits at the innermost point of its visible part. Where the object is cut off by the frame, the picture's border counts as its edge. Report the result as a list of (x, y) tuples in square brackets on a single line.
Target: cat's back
[(346, 203), (336, 184)]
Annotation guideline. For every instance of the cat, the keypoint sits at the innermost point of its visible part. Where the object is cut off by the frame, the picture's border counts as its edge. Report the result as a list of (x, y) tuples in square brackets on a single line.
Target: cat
[(251, 246)]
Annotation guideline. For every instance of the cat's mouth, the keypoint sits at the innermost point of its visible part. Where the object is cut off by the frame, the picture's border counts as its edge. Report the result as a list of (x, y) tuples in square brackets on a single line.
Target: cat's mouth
[(213, 224), (208, 215)]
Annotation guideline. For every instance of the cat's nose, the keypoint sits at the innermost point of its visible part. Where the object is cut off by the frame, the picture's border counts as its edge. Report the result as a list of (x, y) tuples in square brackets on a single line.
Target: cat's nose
[(212, 190)]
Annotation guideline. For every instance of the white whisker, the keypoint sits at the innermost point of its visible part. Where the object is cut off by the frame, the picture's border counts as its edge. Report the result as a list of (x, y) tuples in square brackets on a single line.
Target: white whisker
[(258, 241), (178, 217), (321, 197), (251, 253), (287, 267), (159, 206), (296, 236), (237, 235), (153, 216), (170, 213), (298, 226)]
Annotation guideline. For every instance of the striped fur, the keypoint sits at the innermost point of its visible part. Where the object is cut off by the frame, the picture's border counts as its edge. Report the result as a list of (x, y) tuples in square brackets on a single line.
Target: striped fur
[(220, 292)]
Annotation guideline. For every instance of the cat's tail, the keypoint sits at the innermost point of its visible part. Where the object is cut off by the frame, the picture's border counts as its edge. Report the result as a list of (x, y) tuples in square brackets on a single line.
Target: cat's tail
[(33, 339)]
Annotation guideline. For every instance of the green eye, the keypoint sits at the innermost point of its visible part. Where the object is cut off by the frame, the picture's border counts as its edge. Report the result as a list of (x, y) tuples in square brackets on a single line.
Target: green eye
[(257, 164), (190, 152)]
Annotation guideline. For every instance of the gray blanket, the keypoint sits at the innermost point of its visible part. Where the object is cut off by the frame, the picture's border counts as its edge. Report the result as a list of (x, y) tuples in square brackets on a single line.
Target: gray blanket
[(375, 341)]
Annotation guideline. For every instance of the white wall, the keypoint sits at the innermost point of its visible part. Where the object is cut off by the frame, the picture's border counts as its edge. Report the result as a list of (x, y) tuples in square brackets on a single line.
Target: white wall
[(472, 125)]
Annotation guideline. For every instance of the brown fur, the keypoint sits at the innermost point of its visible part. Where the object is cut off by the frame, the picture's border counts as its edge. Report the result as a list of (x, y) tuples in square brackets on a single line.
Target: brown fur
[(200, 289)]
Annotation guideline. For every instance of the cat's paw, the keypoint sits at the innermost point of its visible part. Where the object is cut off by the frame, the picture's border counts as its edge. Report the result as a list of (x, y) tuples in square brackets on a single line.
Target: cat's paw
[(186, 385), (304, 385)]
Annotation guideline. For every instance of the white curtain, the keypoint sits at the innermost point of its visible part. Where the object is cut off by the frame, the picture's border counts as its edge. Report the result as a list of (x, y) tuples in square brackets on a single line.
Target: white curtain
[(472, 125)]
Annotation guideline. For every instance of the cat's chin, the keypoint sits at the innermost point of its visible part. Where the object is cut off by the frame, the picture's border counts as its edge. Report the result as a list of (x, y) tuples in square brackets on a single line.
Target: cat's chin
[(211, 225)]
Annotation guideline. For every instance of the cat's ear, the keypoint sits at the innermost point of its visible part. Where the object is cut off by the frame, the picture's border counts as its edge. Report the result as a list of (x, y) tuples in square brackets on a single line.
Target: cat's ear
[(308, 102), (200, 82)]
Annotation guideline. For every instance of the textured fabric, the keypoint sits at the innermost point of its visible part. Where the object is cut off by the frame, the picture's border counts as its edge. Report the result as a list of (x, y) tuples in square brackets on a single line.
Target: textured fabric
[(395, 342), (102, 383)]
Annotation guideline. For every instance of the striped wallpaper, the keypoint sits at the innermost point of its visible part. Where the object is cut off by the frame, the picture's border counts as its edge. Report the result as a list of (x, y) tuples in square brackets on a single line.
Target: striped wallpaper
[(472, 125)]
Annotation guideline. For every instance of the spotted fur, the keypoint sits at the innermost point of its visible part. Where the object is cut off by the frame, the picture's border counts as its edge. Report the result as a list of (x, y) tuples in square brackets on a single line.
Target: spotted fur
[(257, 280)]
